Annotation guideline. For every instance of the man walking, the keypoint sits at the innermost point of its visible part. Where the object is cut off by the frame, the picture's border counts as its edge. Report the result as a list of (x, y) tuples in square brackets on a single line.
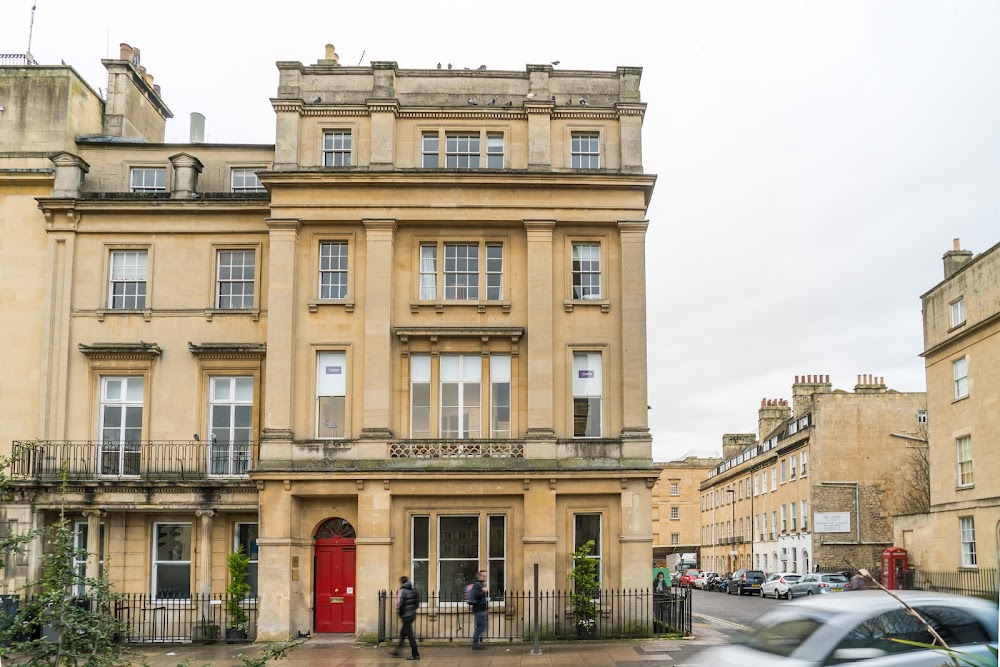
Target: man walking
[(407, 603), (480, 590)]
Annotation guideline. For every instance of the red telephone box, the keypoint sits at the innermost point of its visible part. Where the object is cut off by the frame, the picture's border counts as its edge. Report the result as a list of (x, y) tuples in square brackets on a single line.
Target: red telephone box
[(895, 564)]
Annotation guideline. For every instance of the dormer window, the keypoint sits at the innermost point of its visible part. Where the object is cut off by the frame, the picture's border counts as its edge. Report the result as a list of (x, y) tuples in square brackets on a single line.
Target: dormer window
[(337, 148), (245, 180), (148, 179)]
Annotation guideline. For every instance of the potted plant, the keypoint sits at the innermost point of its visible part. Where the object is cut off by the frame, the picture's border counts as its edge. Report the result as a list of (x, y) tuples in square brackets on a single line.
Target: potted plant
[(238, 563), (584, 576)]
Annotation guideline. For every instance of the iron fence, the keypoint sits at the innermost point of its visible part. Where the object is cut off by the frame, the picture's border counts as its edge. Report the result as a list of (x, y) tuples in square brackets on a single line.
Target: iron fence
[(511, 617), (980, 582), (143, 619), (150, 459), (16, 59)]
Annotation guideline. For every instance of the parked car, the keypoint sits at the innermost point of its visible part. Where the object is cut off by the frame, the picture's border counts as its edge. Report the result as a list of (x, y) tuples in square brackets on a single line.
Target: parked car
[(779, 584), (687, 579), (856, 629), (745, 581), (819, 584), (702, 580)]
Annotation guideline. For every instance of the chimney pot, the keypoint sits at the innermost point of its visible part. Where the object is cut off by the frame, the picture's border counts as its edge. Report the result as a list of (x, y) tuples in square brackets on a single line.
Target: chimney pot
[(956, 245), (125, 51)]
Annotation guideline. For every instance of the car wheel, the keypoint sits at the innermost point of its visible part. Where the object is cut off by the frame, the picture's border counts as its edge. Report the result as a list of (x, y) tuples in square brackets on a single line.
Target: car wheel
[(809, 592), (777, 595)]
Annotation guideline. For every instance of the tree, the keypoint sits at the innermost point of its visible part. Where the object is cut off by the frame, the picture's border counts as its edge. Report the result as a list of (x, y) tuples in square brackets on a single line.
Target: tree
[(239, 568), (584, 576), (915, 475)]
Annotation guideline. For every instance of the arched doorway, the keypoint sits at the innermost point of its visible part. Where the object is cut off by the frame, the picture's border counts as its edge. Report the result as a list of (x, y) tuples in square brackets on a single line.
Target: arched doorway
[(335, 572)]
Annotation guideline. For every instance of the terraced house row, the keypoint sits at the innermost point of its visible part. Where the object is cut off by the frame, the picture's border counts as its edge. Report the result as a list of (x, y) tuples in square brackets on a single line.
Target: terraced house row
[(399, 340)]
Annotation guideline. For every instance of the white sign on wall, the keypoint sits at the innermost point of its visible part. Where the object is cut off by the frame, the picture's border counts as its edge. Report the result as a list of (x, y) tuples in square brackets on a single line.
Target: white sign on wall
[(831, 522)]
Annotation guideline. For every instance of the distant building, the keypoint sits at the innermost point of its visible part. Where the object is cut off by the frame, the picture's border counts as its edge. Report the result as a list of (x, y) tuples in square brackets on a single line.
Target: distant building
[(676, 515), (407, 337), (818, 488), (962, 358)]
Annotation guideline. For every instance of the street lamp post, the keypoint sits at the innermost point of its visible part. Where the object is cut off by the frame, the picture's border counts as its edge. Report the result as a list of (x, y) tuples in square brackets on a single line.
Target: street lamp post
[(732, 501)]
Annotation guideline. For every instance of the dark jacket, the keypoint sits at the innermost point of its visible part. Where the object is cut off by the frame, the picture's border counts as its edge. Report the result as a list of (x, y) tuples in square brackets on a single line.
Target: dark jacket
[(478, 597), (409, 601)]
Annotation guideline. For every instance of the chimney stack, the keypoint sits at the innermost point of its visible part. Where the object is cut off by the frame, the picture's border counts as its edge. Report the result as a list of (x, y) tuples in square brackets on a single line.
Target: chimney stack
[(955, 259), (734, 443), (870, 384), (772, 412), (805, 386)]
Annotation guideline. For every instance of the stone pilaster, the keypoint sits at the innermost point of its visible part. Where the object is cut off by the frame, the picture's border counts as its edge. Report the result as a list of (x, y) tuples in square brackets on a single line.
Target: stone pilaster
[(635, 428), (540, 335), (278, 435), (637, 532), (186, 170), (630, 129), (374, 546), (379, 233), (539, 538), (280, 561), (539, 134), (205, 552), (93, 567), (383, 133)]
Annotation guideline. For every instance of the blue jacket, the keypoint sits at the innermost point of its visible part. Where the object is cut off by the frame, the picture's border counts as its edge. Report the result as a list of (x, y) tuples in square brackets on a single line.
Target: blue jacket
[(478, 597)]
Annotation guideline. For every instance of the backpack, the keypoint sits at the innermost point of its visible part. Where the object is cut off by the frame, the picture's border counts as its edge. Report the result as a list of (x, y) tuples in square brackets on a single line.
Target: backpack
[(468, 593)]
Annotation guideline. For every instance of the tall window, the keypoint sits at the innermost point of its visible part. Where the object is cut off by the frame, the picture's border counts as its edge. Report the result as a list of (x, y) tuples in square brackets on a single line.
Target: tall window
[(331, 395), (774, 523), (127, 284), (333, 270), (675, 488), (461, 150), (337, 148), (964, 447), (805, 457), (461, 271), (246, 180), (494, 271), (774, 479), (957, 312), (784, 519), (741, 489), (793, 464), (784, 470), (231, 416), (792, 507), (464, 545), (496, 554), (428, 272), (587, 527), (585, 150), (458, 554), (967, 528), (171, 560), (246, 537), (756, 485), (235, 280), (121, 425), (960, 371), (148, 179), (805, 515), (500, 396), (429, 148), (420, 553), (461, 402), (587, 388), (586, 270), (675, 538), (494, 150), (675, 512), (420, 396), (80, 538)]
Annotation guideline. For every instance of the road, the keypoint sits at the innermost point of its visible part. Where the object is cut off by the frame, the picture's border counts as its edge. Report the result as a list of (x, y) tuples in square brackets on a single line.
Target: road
[(730, 614)]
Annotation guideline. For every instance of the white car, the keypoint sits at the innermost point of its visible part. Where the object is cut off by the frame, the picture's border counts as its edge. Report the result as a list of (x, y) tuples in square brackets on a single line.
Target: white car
[(700, 581), (858, 629), (778, 585)]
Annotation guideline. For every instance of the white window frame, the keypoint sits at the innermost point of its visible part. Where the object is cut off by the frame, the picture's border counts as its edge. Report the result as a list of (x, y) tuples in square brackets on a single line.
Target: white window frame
[(592, 363), (585, 268), (462, 149), (675, 488), (921, 416), (494, 271), (243, 180), (474, 277), (805, 515), (967, 536), (128, 268), (793, 464), (334, 261), (963, 454), (774, 479), (774, 523), (494, 150), (154, 574), (500, 383), (330, 363), (461, 269), (756, 485), (496, 588), (337, 147), (430, 149), (804, 460), (958, 312), (468, 372), (784, 470), (675, 513), (585, 150), (960, 374), (675, 539), (147, 179), (784, 519), (428, 271), (421, 375), (597, 553), (253, 553), (441, 559), (422, 586), (231, 268), (230, 445), (120, 449), (793, 519)]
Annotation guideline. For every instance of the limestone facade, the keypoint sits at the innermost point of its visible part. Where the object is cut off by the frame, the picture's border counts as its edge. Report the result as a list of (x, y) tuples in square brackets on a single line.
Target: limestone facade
[(831, 453), (676, 511), (404, 330), (961, 318)]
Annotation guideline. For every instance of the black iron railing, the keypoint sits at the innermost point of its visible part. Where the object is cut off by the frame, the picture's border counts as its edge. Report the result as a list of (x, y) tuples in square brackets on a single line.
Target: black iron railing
[(512, 618), (148, 459), (981, 582), (16, 59)]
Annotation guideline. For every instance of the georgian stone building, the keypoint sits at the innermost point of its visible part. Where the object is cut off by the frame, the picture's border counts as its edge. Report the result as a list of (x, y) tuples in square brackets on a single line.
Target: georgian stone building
[(820, 484), (962, 358), (400, 340), (676, 515)]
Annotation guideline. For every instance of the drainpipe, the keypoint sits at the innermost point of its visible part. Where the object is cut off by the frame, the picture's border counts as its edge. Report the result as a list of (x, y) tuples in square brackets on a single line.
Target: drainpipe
[(857, 502)]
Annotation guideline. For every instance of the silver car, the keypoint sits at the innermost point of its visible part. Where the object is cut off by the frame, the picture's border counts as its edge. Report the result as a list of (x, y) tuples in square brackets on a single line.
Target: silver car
[(859, 629), (820, 584), (778, 585)]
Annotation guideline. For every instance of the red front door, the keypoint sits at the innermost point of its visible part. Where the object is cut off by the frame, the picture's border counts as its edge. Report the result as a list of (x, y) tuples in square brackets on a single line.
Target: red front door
[(335, 585)]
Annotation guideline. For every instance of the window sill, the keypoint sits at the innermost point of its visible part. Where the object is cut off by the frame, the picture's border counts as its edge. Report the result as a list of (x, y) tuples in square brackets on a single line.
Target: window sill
[(965, 487), (348, 304), (960, 398), (480, 306), (957, 326), (147, 313), (570, 304), (212, 312)]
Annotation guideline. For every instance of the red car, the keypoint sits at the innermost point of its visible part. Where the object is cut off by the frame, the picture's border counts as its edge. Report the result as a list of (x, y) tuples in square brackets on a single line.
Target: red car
[(687, 579)]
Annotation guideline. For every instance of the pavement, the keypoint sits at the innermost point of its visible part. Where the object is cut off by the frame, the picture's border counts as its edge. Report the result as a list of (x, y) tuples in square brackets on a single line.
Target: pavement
[(334, 650)]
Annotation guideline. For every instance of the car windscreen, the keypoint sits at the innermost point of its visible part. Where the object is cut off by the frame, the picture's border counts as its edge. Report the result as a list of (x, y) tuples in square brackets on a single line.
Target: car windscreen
[(784, 635), (754, 573), (835, 578)]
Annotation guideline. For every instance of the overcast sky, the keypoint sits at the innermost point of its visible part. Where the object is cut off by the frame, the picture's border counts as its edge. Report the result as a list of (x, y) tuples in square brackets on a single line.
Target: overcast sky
[(814, 159)]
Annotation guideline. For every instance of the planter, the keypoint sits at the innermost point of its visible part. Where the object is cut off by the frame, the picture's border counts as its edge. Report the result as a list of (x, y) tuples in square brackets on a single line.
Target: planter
[(586, 631), (234, 635)]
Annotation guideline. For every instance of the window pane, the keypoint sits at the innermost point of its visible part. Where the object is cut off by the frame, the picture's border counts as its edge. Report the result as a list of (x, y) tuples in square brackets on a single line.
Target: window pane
[(459, 537), (332, 415), (173, 542), (421, 537), (588, 527), (173, 580)]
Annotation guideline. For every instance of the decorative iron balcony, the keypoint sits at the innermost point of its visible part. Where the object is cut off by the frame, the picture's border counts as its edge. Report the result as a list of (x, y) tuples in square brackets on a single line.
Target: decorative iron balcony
[(146, 460), (457, 449)]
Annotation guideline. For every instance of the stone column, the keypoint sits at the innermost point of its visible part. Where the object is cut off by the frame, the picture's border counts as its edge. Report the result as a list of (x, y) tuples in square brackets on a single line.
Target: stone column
[(637, 533), (630, 129), (539, 337), (637, 442), (205, 552), (539, 538), (374, 550), (278, 584), (93, 570), (276, 441), (379, 234), (186, 170)]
